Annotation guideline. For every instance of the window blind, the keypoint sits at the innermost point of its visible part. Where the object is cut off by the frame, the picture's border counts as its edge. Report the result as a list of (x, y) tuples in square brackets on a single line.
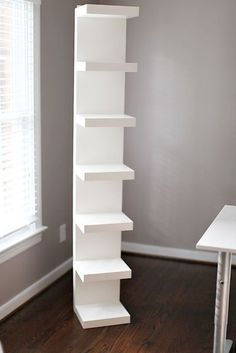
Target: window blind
[(18, 177)]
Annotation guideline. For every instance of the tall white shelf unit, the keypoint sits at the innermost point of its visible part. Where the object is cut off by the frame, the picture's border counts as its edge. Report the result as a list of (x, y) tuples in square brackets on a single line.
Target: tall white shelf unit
[(98, 173)]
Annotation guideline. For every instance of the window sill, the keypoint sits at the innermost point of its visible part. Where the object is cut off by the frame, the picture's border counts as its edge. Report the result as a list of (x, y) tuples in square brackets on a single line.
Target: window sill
[(17, 243)]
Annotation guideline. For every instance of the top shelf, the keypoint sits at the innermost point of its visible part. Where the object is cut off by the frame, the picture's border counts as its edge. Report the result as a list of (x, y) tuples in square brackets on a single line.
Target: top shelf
[(107, 11)]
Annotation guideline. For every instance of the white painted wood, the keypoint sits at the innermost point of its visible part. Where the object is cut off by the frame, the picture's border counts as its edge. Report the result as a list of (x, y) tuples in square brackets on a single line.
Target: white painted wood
[(96, 291), (104, 172), (99, 146), (103, 222), (221, 235), (96, 66), (100, 92), (84, 250), (37, 103), (102, 270), (105, 11), (101, 120), (99, 196), (102, 314), (102, 31), (18, 242)]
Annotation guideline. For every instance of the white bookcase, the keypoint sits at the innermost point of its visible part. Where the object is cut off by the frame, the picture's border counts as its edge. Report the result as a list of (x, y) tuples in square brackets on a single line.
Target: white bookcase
[(98, 173)]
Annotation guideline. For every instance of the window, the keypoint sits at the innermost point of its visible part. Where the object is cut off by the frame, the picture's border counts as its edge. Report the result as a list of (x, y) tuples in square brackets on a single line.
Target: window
[(20, 208)]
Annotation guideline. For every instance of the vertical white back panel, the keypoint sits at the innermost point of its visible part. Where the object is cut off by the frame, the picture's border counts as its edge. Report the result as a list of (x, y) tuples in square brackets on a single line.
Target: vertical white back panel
[(99, 145), (96, 292), (101, 40), (104, 245), (98, 196), (100, 92)]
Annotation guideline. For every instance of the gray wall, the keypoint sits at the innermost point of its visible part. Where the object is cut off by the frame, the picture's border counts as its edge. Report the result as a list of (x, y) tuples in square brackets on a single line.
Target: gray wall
[(184, 97)]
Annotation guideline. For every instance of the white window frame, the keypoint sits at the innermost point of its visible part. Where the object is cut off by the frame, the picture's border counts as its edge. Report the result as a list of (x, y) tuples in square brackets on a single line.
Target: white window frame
[(27, 237)]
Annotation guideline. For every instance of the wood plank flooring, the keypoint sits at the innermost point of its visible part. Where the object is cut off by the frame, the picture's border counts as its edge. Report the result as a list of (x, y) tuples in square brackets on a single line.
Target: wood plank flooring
[(171, 303)]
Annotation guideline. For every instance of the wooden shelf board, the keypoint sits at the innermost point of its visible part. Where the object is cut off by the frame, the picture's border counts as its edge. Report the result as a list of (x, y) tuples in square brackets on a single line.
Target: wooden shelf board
[(104, 172), (103, 222), (102, 270), (107, 11), (100, 66), (102, 314), (105, 120)]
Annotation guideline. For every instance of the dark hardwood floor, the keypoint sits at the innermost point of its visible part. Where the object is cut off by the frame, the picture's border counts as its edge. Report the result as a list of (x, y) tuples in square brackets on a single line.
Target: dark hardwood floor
[(171, 303)]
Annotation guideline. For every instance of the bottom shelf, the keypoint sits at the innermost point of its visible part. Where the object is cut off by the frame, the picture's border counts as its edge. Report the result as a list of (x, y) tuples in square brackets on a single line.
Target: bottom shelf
[(102, 314)]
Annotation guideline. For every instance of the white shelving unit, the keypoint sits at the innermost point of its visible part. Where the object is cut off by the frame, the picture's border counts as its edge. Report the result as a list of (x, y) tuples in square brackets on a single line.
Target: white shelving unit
[(99, 171)]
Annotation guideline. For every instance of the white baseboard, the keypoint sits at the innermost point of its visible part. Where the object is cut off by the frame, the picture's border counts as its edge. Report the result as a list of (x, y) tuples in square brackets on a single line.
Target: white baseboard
[(35, 288), (174, 253)]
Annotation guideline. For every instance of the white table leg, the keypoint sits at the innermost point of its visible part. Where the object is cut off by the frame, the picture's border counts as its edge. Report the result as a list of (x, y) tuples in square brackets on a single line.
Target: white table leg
[(221, 345)]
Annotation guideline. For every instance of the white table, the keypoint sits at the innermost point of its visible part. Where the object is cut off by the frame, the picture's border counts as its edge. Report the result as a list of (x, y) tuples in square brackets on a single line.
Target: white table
[(221, 237)]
